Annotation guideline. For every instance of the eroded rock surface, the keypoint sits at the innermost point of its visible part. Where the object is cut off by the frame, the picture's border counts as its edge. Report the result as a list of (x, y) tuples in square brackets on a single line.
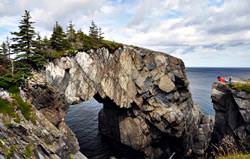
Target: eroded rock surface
[(44, 134), (147, 103), (232, 113)]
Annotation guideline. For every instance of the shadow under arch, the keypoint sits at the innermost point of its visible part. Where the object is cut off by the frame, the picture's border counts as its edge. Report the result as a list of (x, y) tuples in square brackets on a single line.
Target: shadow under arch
[(85, 120)]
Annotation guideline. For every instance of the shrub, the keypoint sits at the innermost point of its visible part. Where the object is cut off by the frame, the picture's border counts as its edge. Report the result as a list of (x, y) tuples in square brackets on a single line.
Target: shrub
[(25, 108), (6, 107)]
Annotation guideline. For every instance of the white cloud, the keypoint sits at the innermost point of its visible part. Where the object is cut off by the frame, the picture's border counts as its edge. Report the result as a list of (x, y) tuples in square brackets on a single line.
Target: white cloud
[(193, 30)]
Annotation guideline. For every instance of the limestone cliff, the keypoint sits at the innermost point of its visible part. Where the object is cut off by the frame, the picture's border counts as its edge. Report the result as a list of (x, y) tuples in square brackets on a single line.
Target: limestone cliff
[(147, 103), (232, 118)]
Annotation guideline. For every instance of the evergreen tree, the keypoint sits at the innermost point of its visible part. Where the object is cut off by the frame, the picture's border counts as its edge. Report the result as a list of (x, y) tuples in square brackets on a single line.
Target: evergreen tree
[(23, 40), (71, 33), (3, 50), (93, 31), (38, 44), (58, 39), (40, 50), (100, 34), (8, 48)]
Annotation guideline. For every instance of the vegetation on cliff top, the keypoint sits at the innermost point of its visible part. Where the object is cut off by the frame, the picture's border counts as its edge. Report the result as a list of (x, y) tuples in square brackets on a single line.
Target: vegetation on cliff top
[(29, 51), (236, 156), (241, 86)]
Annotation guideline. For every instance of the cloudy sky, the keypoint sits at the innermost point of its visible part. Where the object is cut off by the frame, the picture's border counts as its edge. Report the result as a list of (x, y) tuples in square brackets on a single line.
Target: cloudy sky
[(207, 33)]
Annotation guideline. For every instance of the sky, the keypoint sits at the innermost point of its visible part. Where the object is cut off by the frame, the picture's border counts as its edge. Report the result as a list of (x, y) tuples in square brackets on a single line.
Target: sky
[(203, 33)]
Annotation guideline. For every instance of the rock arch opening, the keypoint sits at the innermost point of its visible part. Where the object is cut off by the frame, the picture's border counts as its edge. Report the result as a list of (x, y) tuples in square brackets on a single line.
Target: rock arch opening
[(93, 131), (145, 95)]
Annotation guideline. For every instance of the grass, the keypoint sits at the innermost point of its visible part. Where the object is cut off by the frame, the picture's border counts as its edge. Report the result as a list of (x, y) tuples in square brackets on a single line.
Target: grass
[(237, 156), (28, 152), (241, 86)]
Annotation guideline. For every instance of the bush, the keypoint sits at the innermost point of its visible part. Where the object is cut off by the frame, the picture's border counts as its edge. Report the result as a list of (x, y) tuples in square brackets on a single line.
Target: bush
[(25, 108), (6, 107)]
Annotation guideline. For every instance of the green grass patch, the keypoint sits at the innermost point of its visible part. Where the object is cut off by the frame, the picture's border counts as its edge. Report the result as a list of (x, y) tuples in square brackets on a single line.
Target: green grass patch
[(28, 152), (71, 156), (10, 152), (241, 86), (236, 156)]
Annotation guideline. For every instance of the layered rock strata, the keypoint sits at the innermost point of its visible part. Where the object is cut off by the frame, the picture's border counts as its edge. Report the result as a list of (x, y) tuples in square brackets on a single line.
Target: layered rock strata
[(147, 103)]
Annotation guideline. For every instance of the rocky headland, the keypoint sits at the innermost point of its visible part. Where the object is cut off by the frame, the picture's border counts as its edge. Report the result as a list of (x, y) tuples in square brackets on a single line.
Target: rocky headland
[(147, 106), (232, 119)]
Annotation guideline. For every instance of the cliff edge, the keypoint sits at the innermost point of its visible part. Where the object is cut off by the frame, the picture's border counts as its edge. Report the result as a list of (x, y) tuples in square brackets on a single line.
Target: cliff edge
[(232, 119)]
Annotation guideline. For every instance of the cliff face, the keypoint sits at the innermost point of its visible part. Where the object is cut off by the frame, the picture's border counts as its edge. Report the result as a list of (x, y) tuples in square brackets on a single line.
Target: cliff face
[(232, 118), (147, 104), (33, 133)]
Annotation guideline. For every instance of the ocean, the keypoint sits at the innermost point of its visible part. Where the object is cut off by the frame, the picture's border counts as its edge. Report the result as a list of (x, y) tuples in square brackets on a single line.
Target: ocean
[(83, 118)]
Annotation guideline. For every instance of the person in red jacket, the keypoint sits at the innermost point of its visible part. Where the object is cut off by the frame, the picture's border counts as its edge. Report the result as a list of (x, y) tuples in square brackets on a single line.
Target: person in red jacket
[(221, 79)]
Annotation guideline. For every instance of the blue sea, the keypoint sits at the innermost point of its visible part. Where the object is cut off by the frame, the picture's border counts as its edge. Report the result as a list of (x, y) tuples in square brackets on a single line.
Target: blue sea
[(201, 80), (83, 118)]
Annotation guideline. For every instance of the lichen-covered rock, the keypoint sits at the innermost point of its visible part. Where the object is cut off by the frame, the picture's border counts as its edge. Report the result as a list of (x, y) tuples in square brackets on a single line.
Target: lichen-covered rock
[(147, 103), (232, 117)]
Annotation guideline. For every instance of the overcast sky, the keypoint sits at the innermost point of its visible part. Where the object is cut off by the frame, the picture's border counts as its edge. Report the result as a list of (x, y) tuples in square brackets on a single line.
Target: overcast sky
[(212, 33)]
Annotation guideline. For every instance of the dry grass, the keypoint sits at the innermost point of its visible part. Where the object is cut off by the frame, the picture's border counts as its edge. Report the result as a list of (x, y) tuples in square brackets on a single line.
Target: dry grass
[(241, 86), (236, 156)]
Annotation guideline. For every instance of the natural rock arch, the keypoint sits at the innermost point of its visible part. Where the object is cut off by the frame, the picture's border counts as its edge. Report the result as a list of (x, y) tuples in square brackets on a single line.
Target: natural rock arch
[(147, 103)]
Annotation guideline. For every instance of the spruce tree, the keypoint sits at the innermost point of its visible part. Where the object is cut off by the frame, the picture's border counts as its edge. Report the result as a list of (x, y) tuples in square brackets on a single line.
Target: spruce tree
[(23, 39), (71, 33), (58, 39), (93, 31), (100, 34), (3, 50)]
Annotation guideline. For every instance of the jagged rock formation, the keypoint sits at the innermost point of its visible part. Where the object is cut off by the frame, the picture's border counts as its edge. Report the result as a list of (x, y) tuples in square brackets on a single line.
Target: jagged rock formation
[(40, 136), (232, 118), (147, 103)]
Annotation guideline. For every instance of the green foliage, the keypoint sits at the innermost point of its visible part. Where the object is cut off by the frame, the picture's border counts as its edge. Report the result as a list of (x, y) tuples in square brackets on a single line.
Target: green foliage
[(23, 40), (28, 151), (71, 156), (10, 152), (3, 49), (93, 31), (25, 108), (71, 33), (11, 83), (33, 54), (58, 38), (241, 86), (6, 107)]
